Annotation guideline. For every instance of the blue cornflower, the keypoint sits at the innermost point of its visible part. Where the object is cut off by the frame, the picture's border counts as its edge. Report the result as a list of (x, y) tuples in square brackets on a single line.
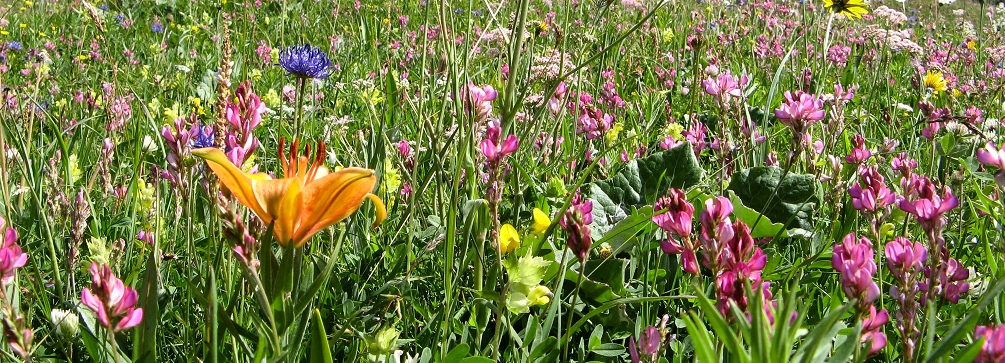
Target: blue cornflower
[(103, 7), (202, 136), (305, 61), (156, 26), (119, 17), (476, 12), (15, 45), (458, 11)]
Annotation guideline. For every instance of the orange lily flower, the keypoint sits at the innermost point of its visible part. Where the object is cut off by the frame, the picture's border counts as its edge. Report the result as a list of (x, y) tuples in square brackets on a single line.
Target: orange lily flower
[(306, 200)]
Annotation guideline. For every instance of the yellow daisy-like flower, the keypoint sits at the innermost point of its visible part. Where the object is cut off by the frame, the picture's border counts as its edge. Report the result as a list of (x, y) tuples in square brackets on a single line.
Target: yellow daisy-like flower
[(541, 221), (935, 81), (509, 239), (852, 9)]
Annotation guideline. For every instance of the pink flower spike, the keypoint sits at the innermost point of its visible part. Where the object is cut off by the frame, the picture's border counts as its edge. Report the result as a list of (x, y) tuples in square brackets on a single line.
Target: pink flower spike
[(112, 301), (992, 156)]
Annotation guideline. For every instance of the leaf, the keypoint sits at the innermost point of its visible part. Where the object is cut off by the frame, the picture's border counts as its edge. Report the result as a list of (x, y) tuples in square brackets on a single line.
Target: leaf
[(640, 182), (609, 350), (622, 236), (764, 228), (790, 201), (320, 350), (541, 348), (604, 280), (147, 337), (477, 360), (455, 355)]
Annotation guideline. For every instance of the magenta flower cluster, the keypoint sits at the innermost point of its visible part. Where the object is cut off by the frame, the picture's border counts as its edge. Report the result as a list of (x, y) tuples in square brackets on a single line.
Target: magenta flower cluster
[(112, 301)]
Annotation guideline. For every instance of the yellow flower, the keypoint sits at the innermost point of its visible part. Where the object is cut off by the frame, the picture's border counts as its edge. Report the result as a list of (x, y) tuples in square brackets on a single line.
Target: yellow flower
[(539, 295), (971, 45), (509, 239), (541, 221), (308, 198), (852, 9), (935, 81)]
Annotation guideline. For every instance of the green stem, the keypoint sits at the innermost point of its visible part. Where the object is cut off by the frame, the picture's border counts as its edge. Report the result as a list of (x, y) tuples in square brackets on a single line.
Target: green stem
[(298, 126), (572, 311)]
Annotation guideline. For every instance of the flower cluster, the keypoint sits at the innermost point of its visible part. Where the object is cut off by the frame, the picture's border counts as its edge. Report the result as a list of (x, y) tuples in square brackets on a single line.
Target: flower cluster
[(576, 221), (112, 301), (800, 111)]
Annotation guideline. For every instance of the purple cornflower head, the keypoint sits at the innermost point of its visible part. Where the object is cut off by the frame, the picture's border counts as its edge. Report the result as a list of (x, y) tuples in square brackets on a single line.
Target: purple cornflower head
[(678, 215), (724, 86), (112, 301), (993, 350), (202, 136), (305, 61), (11, 256), (870, 193), (648, 347), (800, 111), (576, 221), (156, 26), (951, 283), (853, 258), (494, 147), (928, 207), (14, 45), (872, 329), (991, 155), (859, 154)]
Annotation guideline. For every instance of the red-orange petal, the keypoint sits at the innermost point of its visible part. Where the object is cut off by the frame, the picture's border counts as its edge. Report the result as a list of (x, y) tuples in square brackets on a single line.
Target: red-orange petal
[(331, 199), (236, 180)]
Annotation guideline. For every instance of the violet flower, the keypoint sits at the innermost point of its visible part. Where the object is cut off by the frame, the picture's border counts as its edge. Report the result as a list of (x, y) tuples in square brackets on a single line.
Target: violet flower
[(648, 347), (993, 350), (305, 61), (872, 332), (870, 193), (496, 149), (859, 154), (576, 222)]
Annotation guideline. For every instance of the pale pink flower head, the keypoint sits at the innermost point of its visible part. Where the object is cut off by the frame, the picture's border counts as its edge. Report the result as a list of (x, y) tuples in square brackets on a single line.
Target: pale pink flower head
[(800, 111), (928, 207), (11, 256), (853, 258), (112, 301), (993, 350)]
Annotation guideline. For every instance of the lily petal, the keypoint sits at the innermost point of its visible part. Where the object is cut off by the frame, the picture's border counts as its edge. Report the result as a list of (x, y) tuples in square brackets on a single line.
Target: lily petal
[(284, 202), (331, 199), (236, 180), (380, 210)]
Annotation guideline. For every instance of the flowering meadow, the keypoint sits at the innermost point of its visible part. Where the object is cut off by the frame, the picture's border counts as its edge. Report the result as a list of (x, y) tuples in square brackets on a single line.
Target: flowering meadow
[(517, 181)]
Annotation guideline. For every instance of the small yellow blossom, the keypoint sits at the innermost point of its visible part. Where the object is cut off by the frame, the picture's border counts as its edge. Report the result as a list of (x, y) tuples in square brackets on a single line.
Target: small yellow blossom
[(541, 221), (509, 239), (539, 295)]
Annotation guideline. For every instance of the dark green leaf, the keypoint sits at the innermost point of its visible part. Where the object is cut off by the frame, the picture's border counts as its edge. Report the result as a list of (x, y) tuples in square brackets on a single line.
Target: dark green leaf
[(789, 200)]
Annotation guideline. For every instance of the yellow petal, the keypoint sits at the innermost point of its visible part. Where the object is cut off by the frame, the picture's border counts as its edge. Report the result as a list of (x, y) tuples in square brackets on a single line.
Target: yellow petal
[(237, 181), (541, 221), (381, 211), (509, 239), (331, 199)]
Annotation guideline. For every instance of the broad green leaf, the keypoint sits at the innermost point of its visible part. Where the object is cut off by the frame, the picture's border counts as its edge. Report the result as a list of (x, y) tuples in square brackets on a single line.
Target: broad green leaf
[(640, 182), (609, 350), (789, 201), (604, 280)]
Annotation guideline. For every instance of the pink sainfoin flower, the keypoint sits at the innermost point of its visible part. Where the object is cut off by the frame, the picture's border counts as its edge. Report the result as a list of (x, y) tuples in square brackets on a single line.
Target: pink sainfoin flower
[(555, 102), (993, 350), (243, 116), (741, 262), (991, 155), (800, 111), (906, 260), (928, 207), (648, 347), (951, 283), (407, 155), (859, 153), (678, 215), (870, 193), (479, 100), (872, 330), (716, 229), (493, 147), (592, 121), (576, 221), (903, 164), (112, 301), (724, 87), (11, 256), (853, 258), (677, 221)]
